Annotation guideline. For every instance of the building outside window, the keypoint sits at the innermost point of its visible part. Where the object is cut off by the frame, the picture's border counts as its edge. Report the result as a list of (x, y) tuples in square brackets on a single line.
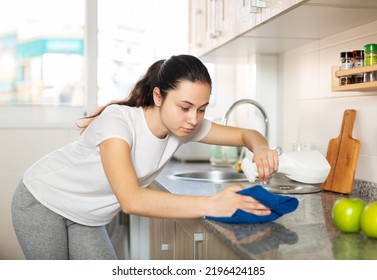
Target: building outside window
[(42, 48), (41, 52)]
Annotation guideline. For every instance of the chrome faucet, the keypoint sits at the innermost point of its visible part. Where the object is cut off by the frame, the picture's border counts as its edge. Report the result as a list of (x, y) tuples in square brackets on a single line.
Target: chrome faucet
[(228, 156), (251, 102)]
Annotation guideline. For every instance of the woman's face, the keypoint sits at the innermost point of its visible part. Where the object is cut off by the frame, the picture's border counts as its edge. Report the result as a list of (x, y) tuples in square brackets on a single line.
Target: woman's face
[(184, 107)]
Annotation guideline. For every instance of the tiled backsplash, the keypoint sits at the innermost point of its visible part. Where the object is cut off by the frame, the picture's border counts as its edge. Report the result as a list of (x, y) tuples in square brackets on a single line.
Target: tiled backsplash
[(312, 113)]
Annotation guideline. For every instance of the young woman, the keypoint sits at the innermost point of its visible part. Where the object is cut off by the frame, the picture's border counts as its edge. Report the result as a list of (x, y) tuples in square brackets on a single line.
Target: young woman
[(64, 200)]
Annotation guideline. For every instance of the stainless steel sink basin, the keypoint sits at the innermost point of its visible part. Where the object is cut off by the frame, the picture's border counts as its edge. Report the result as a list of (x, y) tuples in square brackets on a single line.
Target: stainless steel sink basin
[(278, 183), (292, 188), (216, 176)]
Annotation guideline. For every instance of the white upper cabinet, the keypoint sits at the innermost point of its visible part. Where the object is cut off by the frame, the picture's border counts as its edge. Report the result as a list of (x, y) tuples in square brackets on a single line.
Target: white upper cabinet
[(211, 24), (238, 27), (251, 13), (221, 21), (197, 27)]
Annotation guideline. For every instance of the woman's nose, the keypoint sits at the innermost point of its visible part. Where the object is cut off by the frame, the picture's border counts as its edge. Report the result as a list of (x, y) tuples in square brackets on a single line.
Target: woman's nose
[(193, 118)]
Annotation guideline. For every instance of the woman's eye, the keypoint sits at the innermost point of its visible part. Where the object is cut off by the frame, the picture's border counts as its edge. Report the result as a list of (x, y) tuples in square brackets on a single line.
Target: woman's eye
[(202, 110), (185, 109)]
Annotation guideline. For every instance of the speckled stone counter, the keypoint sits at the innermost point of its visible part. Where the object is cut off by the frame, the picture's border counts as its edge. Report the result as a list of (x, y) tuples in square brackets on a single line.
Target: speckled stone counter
[(306, 233)]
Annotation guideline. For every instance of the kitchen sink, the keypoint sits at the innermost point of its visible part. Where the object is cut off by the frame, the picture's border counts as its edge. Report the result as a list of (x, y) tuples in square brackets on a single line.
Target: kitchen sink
[(278, 183), (216, 176), (292, 188)]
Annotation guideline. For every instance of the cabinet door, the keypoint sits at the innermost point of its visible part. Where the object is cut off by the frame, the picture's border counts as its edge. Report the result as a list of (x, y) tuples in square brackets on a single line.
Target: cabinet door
[(246, 16), (251, 13), (189, 240), (221, 21), (211, 24), (162, 239), (198, 28)]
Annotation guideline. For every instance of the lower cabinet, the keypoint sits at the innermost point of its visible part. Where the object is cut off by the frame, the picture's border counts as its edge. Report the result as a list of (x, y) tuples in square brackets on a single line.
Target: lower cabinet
[(162, 239), (186, 239), (190, 240)]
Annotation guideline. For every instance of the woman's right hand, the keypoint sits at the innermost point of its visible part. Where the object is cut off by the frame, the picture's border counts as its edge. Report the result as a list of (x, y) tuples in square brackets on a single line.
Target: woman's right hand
[(226, 203)]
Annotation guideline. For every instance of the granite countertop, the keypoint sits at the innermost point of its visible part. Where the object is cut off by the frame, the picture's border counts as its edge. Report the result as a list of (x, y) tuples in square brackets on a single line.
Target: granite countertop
[(306, 233)]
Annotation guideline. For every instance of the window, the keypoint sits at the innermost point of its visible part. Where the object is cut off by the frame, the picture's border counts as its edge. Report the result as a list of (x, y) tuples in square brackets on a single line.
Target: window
[(50, 74), (41, 52), (131, 36)]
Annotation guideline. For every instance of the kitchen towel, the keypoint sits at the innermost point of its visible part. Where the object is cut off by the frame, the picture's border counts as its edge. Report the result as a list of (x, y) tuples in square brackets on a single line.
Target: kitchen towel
[(279, 205)]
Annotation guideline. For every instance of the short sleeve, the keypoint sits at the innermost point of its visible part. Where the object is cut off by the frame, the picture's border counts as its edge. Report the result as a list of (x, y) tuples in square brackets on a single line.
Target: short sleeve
[(113, 123)]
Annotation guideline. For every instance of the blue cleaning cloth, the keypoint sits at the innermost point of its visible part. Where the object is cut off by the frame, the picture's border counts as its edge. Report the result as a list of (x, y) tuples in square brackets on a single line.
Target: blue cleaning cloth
[(278, 204)]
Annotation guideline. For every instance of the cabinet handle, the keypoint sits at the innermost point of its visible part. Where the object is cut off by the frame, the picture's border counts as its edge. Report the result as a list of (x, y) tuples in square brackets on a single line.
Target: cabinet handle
[(213, 32), (164, 246), (197, 44), (262, 3), (198, 237), (253, 9), (256, 5)]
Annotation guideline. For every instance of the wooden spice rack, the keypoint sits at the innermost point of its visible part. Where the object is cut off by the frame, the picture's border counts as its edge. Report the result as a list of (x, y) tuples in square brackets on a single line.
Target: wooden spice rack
[(336, 74)]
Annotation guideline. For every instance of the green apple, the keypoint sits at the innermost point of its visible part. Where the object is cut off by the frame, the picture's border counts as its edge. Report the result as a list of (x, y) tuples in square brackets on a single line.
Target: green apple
[(368, 220), (346, 214)]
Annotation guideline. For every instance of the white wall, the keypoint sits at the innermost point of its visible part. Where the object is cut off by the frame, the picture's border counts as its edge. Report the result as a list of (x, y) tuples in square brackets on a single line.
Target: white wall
[(238, 78), (19, 148), (312, 113)]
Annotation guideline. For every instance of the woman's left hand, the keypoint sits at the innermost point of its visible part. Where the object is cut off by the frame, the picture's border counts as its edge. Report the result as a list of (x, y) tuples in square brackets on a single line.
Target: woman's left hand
[(267, 162)]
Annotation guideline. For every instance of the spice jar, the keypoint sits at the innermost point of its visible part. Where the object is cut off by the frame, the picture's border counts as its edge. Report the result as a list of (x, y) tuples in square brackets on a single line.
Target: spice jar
[(346, 63), (370, 58), (358, 61)]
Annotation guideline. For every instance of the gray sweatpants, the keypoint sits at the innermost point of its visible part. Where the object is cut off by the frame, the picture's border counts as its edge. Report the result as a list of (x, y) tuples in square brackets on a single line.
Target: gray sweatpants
[(44, 235)]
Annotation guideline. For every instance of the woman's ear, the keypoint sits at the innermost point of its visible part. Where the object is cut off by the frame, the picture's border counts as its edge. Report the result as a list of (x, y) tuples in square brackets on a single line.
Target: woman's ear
[(157, 98)]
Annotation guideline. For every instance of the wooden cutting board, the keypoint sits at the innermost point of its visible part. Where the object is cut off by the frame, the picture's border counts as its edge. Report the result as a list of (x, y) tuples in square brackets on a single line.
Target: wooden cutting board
[(342, 155)]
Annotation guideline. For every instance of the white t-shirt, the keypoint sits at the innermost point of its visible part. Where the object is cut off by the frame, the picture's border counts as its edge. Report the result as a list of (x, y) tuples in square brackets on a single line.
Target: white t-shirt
[(71, 180)]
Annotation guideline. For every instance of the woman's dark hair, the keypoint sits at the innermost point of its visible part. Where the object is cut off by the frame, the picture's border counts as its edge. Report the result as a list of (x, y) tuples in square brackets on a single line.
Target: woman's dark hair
[(163, 74)]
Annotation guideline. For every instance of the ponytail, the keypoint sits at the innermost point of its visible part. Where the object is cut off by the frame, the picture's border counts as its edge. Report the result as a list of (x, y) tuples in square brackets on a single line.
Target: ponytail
[(163, 74)]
